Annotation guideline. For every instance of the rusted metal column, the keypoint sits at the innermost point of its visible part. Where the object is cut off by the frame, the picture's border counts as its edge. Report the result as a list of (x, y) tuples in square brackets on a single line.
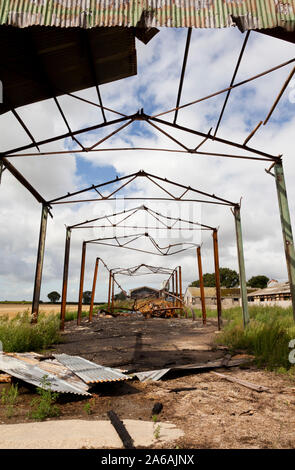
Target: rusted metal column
[(110, 287), (286, 228), (180, 288), (81, 283), (113, 292), (93, 289), (173, 289), (65, 279), (217, 278), (242, 272), (176, 288), (39, 264), (2, 168), (202, 290)]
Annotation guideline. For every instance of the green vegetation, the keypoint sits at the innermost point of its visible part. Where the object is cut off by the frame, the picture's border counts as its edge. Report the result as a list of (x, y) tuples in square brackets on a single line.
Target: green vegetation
[(86, 297), (89, 406), (53, 296), (259, 282), (267, 336), (19, 335), (228, 278), (9, 399), (44, 404)]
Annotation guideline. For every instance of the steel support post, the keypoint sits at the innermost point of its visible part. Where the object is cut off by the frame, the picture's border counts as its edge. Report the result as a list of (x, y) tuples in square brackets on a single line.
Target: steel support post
[(286, 228), (217, 278), (109, 293), (2, 168), (176, 288), (173, 288), (65, 279), (81, 283), (113, 292), (242, 272), (39, 264), (93, 289), (180, 288), (202, 290)]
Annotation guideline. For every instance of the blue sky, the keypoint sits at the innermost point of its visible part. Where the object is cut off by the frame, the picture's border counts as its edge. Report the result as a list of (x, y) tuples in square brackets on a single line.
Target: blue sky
[(211, 61)]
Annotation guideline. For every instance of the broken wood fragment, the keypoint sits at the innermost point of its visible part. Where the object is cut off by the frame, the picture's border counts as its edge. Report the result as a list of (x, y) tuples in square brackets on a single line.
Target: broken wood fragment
[(244, 383), (121, 430)]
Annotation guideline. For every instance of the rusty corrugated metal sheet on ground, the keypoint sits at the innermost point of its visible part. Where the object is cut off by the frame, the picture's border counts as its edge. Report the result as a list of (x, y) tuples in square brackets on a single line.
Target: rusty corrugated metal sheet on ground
[(88, 371), (24, 368), (255, 14)]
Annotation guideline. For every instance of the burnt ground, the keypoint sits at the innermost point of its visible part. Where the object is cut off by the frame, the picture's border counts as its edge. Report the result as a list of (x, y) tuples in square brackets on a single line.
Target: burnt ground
[(212, 412)]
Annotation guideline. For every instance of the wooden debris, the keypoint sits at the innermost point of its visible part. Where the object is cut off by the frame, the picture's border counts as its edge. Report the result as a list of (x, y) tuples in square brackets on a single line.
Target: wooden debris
[(121, 430), (244, 383), (5, 378)]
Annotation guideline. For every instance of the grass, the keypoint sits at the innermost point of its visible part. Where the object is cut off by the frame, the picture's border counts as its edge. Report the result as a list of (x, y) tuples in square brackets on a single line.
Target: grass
[(44, 405), (19, 335), (267, 336), (9, 399)]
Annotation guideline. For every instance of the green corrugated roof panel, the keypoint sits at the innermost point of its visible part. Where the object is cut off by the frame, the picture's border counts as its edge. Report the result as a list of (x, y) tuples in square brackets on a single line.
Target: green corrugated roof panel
[(246, 14)]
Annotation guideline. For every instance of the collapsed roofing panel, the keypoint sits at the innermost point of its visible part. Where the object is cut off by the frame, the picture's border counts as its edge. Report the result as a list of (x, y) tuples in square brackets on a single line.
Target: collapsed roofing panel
[(25, 368), (256, 14), (88, 371), (39, 63)]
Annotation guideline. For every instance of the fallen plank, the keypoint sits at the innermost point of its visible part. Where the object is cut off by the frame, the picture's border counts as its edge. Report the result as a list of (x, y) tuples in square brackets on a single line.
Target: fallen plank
[(244, 383), (158, 374), (121, 430)]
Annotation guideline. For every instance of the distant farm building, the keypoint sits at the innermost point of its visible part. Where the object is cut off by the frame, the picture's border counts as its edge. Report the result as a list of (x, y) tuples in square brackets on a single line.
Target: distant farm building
[(144, 292), (229, 297), (278, 293)]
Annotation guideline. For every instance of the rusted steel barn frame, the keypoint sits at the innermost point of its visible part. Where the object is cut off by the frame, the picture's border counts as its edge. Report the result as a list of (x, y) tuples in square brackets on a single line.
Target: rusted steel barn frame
[(232, 81), (217, 279), (202, 291), (252, 133), (95, 104), (93, 289), (189, 151), (286, 227), (241, 259), (140, 174), (186, 51), (113, 292), (39, 264), (215, 139), (243, 82), (173, 291), (176, 287), (67, 134)]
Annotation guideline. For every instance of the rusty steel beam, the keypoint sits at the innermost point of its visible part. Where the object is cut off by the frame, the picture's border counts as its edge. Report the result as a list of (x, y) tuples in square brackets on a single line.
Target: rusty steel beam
[(232, 80), (186, 51), (113, 292), (39, 264), (284, 64), (241, 259), (67, 134), (21, 122), (252, 133), (176, 287), (279, 95), (65, 278), (172, 288), (202, 290), (81, 283), (93, 289), (215, 139), (217, 279), (23, 181)]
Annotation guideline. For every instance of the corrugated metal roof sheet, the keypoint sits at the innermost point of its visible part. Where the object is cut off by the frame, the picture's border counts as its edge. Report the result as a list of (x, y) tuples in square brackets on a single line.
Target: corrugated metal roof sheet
[(20, 368), (89, 371), (247, 14), (279, 288)]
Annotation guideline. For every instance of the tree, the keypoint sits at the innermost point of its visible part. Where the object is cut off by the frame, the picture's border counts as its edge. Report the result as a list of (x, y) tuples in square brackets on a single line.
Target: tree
[(53, 296), (120, 296), (87, 297), (228, 278), (258, 281)]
